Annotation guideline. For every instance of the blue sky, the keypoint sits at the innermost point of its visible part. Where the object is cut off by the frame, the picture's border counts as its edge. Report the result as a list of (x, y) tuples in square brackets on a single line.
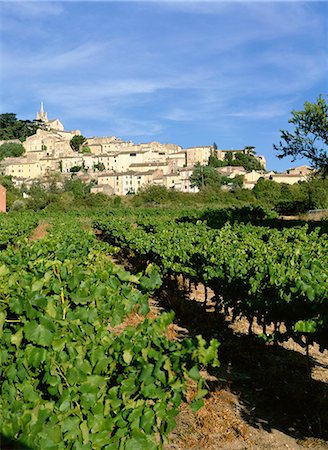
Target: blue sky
[(190, 73)]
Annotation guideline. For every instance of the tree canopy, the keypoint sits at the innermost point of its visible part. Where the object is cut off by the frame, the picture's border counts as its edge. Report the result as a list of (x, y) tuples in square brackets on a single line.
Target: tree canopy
[(9, 149), (206, 176), (310, 136), (76, 142), (13, 128), (248, 160)]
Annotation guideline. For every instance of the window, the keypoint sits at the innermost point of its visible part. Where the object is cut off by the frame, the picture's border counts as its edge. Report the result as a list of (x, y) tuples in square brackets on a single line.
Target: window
[(133, 154)]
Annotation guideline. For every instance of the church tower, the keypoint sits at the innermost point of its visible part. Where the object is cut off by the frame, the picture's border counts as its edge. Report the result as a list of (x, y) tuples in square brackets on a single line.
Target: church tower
[(46, 124), (41, 115)]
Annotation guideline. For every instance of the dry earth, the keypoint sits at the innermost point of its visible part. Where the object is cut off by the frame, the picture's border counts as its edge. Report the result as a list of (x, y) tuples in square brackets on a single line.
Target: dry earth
[(40, 231)]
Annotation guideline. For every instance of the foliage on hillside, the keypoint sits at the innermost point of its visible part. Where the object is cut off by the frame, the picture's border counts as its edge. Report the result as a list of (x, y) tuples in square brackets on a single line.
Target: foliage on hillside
[(13, 128), (11, 149), (247, 160)]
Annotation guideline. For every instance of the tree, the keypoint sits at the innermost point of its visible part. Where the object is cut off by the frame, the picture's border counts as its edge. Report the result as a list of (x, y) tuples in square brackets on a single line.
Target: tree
[(248, 161), (152, 194), (268, 192), (38, 197), (76, 142), (214, 161), (12, 128), (228, 158), (9, 149), (206, 176), (78, 188), (310, 137)]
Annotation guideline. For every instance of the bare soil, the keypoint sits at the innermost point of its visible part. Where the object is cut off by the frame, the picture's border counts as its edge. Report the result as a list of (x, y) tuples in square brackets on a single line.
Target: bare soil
[(40, 231)]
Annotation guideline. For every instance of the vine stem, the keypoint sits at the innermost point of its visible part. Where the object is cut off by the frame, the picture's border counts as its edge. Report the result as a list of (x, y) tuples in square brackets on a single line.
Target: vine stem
[(308, 366)]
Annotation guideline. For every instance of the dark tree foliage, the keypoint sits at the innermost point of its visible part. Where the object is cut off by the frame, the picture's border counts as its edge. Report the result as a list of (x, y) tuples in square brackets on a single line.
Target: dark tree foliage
[(76, 142), (310, 136), (75, 169), (12, 128)]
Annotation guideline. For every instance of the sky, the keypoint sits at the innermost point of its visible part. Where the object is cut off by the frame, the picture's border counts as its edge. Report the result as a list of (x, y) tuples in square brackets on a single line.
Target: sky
[(189, 73)]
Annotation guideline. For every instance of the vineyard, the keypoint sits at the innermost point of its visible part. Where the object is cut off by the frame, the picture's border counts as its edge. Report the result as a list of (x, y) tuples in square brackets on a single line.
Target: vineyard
[(85, 363), (273, 277)]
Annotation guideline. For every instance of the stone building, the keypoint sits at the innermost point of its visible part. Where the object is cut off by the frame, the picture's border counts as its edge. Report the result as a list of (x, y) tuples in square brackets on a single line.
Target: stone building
[(121, 167)]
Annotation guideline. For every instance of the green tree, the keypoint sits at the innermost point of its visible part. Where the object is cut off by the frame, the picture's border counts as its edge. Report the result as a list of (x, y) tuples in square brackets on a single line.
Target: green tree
[(214, 161), (228, 158), (310, 136), (268, 192), (152, 194), (236, 182), (206, 176), (38, 197), (76, 142), (12, 128), (10, 149), (78, 188), (248, 161)]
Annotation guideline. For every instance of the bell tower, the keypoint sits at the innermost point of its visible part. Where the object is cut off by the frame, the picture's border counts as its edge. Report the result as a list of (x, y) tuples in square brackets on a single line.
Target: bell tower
[(41, 115)]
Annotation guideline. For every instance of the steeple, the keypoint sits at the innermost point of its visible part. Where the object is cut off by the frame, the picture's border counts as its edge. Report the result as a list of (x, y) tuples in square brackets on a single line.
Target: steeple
[(41, 115)]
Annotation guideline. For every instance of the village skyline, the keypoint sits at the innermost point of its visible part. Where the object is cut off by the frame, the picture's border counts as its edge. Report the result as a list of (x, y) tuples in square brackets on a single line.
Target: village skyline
[(187, 73)]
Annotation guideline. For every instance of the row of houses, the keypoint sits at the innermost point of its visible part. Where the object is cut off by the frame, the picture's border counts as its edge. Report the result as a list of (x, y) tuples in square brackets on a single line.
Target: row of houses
[(117, 166)]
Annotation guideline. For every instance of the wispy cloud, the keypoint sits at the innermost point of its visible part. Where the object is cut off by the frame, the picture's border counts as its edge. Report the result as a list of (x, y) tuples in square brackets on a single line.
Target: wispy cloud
[(33, 9), (266, 110), (47, 61)]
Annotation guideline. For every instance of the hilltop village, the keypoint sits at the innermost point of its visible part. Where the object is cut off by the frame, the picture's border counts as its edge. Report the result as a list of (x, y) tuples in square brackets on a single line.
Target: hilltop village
[(119, 167)]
